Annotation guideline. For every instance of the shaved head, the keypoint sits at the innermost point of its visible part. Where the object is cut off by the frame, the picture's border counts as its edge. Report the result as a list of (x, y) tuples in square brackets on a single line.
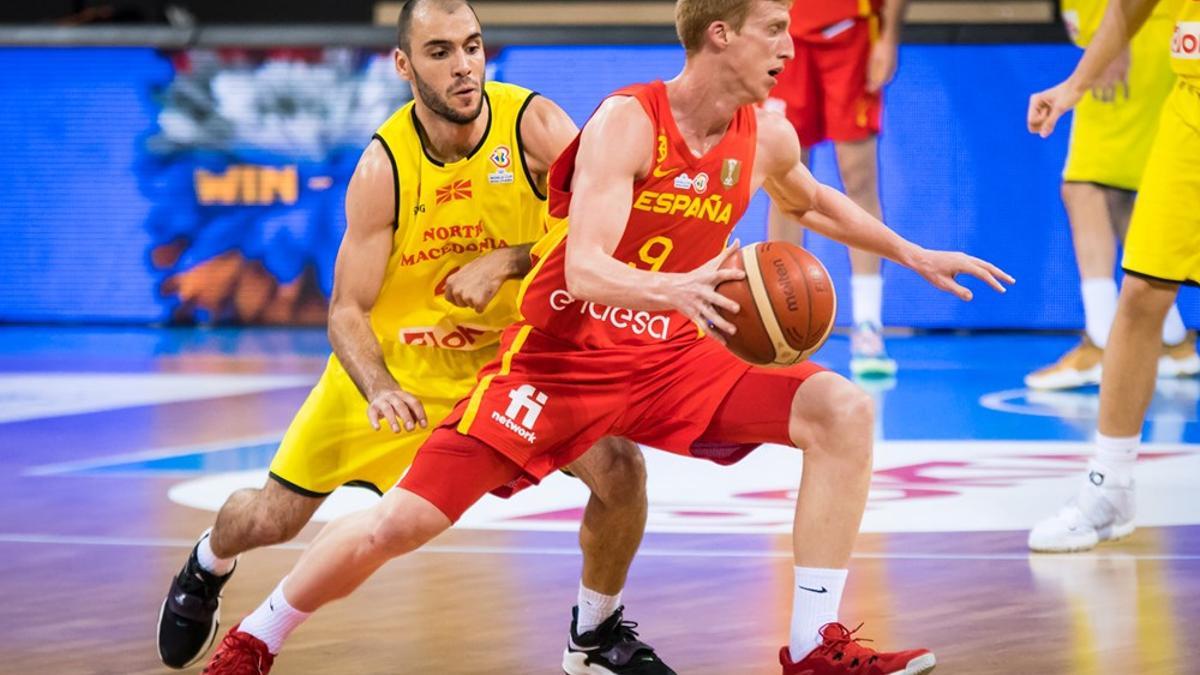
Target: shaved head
[(404, 25)]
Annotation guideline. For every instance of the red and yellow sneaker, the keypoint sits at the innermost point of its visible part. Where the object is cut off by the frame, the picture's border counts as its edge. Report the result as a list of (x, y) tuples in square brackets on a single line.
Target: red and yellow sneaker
[(240, 654), (840, 652)]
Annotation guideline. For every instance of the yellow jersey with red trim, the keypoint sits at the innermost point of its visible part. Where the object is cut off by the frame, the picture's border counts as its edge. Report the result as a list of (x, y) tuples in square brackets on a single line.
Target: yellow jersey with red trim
[(447, 215), (1185, 43)]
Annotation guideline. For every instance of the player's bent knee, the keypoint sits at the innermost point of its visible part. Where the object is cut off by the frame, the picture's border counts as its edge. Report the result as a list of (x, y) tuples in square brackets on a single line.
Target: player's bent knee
[(854, 409), (403, 522), (614, 470), (625, 474), (859, 182), (845, 411), (1140, 286), (1145, 298)]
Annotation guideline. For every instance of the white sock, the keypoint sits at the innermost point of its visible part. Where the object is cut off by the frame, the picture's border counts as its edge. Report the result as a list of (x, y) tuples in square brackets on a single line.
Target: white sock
[(1099, 307), (209, 560), (1115, 458), (866, 298), (814, 607), (1174, 331), (594, 608), (274, 620)]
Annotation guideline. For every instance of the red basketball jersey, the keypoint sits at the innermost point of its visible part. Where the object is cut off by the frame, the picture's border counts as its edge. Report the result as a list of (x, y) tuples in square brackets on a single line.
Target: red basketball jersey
[(683, 212)]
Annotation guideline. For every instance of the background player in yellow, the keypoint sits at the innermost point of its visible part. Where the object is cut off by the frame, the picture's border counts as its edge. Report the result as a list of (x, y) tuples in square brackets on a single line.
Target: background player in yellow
[(1162, 251), (441, 210), (1111, 132)]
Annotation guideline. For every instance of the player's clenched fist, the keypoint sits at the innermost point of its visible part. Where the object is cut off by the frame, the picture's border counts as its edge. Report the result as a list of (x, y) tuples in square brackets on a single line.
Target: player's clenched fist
[(398, 407), (1045, 107), (478, 281)]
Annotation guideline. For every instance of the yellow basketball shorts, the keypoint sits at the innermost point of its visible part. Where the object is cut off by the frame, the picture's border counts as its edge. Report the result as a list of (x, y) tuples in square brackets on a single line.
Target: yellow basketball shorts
[(1111, 140), (330, 442), (1164, 234)]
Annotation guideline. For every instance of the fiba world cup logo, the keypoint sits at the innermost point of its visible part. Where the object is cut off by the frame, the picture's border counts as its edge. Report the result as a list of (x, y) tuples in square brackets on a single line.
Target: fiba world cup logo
[(502, 157)]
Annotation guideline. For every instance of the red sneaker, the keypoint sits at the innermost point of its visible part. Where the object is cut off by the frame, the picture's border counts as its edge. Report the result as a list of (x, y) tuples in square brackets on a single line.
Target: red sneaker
[(840, 652), (240, 654)]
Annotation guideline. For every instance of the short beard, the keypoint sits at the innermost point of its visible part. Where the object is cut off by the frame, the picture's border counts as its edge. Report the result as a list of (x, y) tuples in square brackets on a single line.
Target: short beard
[(436, 103)]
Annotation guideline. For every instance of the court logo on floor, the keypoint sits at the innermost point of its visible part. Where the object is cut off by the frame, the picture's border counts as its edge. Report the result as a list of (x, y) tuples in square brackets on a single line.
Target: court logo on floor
[(918, 486)]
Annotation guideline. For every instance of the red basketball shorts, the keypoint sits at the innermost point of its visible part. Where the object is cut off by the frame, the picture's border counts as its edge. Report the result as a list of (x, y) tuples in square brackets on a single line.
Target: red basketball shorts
[(543, 403), (824, 91)]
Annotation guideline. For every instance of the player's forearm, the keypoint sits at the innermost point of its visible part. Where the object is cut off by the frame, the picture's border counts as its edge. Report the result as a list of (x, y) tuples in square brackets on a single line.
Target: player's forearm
[(837, 217), (517, 262), (358, 350), (892, 18), (598, 277), (1122, 19)]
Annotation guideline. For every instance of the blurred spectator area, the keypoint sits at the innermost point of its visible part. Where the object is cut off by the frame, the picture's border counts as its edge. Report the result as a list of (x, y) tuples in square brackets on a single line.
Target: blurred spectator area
[(660, 12), (183, 23), (493, 12)]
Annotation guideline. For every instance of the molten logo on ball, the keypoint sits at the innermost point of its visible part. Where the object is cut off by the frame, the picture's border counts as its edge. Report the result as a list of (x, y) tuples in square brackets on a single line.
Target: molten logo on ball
[(785, 285)]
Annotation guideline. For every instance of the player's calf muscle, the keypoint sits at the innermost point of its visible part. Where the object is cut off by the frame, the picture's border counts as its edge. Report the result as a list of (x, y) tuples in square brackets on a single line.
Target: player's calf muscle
[(254, 518)]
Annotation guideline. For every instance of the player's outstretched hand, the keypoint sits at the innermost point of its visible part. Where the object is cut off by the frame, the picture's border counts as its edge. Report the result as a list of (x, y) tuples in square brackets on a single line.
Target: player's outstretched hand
[(694, 293), (476, 283), (398, 407), (941, 267), (1045, 107)]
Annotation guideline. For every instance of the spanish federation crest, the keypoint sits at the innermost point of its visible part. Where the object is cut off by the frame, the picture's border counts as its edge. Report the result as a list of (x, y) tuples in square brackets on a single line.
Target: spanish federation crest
[(731, 172)]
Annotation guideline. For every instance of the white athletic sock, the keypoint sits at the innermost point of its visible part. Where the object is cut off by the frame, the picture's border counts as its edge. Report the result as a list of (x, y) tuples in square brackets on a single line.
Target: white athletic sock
[(1115, 457), (1174, 331), (817, 594), (594, 608), (1099, 307), (866, 298), (274, 620), (209, 560)]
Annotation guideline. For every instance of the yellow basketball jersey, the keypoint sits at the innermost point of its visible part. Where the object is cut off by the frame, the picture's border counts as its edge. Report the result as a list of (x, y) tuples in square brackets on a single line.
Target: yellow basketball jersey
[(1083, 17), (1185, 43), (450, 214)]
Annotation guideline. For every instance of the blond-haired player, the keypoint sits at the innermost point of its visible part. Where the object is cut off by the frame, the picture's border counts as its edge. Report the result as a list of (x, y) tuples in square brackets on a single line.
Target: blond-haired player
[(439, 212), (1111, 132), (1162, 251), (608, 345)]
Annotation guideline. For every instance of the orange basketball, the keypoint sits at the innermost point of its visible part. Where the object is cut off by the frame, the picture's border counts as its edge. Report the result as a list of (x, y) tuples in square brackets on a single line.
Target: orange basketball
[(787, 304)]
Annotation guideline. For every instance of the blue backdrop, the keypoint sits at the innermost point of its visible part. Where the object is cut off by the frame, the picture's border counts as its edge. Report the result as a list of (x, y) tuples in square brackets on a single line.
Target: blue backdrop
[(82, 208)]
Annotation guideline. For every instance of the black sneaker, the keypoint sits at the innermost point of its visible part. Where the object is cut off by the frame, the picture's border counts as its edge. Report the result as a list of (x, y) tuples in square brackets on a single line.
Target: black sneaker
[(188, 620), (609, 649)]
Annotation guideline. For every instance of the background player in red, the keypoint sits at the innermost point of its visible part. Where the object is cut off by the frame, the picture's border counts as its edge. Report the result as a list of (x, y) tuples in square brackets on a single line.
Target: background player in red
[(846, 52), (609, 344)]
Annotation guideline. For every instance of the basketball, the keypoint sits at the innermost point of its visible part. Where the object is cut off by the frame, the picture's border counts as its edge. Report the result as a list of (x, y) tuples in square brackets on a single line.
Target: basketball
[(787, 304)]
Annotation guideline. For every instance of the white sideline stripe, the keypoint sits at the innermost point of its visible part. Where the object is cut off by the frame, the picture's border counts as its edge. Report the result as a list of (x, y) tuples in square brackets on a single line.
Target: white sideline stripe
[(164, 542), (160, 453)]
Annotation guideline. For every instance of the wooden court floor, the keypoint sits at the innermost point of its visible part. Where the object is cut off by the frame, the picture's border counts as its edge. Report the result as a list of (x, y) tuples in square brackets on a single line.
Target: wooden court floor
[(86, 557)]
